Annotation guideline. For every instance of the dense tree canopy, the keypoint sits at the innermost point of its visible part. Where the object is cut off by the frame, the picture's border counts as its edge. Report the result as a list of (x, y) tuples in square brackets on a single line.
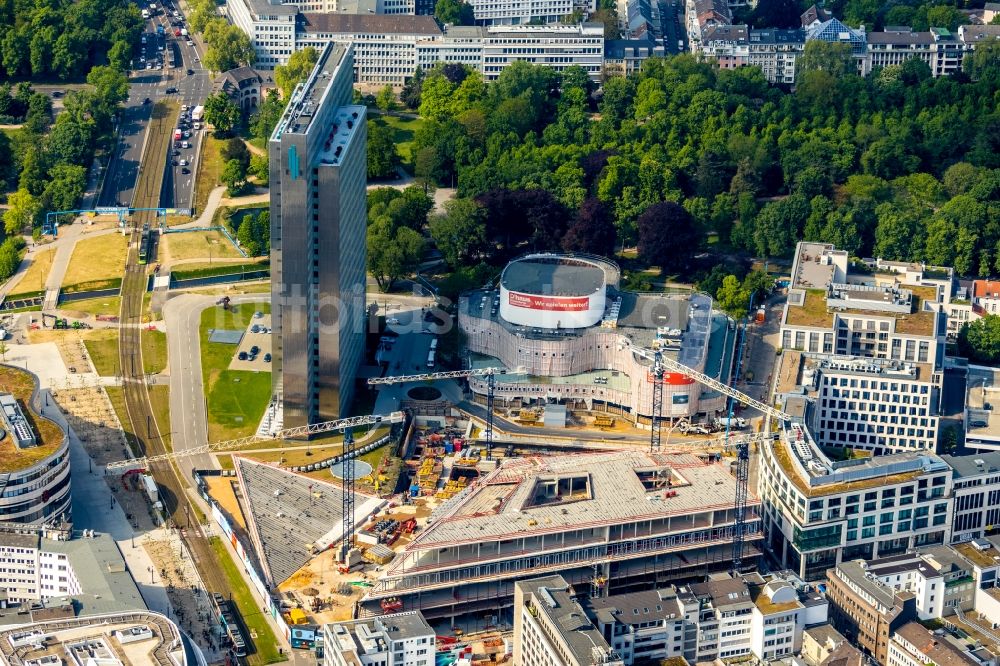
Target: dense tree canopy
[(63, 39), (897, 164), (980, 340)]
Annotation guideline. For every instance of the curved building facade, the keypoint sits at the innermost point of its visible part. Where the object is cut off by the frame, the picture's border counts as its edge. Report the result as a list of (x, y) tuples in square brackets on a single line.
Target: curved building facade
[(35, 479), (570, 339)]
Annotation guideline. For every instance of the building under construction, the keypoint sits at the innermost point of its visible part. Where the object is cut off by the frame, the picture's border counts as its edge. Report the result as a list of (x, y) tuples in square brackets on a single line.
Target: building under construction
[(608, 522)]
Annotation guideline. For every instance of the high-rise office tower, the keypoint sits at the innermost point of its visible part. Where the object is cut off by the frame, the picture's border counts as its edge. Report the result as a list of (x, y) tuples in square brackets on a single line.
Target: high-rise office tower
[(318, 166)]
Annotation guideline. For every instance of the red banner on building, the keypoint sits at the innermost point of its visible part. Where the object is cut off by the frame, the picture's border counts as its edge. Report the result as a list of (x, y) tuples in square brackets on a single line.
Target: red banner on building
[(671, 379), (551, 303)]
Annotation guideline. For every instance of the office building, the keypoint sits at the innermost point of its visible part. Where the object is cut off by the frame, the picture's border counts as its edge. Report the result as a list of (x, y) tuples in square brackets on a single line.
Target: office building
[(915, 645), (976, 489), (555, 46), (458, 44), (819, 512), (624, 521), (318, 219), (866, 349), (270, 25), (551, 628), (120, 637), (34, 458), (866, 610), (939, 48), (400, 639), (517, 12), (385, 47), (982, 422), (42, 564)]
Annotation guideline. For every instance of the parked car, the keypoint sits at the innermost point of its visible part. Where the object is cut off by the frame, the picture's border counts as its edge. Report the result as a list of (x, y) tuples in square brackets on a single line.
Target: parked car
[(242, 356), (267, 358), (184, 162), (185, 171), (171, 91), (255, 328), (255, 349), (190, 72)]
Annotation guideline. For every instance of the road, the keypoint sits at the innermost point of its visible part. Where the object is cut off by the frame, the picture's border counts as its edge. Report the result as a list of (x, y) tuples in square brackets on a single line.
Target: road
[(188, 421), (152, 84), (173, 488)]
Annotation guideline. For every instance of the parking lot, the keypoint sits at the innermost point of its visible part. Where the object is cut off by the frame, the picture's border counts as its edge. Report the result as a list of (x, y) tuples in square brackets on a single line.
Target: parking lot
[(254, 351)]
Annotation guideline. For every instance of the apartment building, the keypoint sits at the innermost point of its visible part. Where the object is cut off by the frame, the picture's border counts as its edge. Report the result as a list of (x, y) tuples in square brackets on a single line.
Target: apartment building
[(270, 25), (914, 645), (940, 579), (976, 492), (318, 219), (939, 48), (551, 628), (873, 349), (385, 47), (555, 46), (702, 15), (727, 44), (775, 51), (820, 512), (624, 57), (823, 645), (866, 610), (398, 639), (721, 618)]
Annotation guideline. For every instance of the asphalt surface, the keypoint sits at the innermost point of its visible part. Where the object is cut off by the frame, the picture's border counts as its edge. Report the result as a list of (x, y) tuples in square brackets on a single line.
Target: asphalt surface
[(188, 421), (123, 170)]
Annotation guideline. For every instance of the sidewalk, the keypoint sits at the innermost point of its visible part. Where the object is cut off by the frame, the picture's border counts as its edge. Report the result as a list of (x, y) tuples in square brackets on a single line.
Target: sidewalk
[(92, 509)]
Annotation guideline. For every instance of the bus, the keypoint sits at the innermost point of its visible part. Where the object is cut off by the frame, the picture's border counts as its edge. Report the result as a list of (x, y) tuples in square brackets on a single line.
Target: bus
[(430, 358)]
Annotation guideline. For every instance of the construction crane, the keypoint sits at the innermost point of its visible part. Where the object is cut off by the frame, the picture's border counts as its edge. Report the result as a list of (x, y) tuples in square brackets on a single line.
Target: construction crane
[(489, 373), (243, 442), (661, 365)]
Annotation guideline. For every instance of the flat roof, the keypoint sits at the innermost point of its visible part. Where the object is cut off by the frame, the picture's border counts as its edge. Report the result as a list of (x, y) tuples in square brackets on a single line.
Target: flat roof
[(21, 385), (555, 276), (503, 504), (982, 404), (376, 24), (969, 465), (815, 475), (310, 96)]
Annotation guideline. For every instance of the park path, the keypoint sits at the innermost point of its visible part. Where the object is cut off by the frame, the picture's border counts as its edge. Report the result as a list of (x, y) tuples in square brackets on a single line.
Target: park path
[(64, 245)]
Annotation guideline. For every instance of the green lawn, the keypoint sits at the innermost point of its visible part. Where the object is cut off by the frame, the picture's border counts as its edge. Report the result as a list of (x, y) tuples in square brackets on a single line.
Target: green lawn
[(106, 305), (159, 402), (102, 346), (209, 171), (404, 129), (265, 644), (236, 402), (236, 398), (154, 352), (207, 269)]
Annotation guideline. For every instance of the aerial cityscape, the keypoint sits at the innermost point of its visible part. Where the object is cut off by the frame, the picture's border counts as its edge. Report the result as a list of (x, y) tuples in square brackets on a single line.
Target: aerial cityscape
[(469, 332)]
